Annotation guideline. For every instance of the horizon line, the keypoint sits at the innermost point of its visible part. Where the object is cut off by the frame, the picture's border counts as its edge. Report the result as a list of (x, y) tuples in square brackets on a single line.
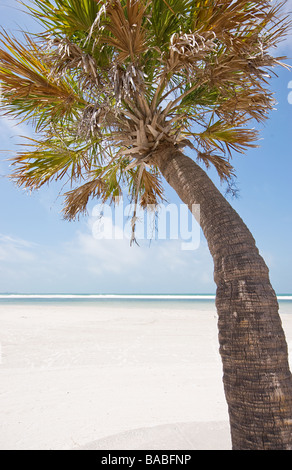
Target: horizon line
[(120, 296)]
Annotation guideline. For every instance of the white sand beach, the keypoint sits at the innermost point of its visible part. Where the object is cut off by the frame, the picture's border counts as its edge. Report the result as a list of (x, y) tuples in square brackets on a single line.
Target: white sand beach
[(78, 377)]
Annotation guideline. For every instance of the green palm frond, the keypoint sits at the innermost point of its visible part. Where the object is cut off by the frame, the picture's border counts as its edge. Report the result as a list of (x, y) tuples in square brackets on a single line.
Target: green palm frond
[(167, 18), (72, 18), (222, 137), (51, 159)]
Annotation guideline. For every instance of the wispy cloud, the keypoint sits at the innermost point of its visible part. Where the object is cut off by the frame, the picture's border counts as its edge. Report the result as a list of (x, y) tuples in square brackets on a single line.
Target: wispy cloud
[(11, 135), (15, 250), (85, 264), (14, 128)]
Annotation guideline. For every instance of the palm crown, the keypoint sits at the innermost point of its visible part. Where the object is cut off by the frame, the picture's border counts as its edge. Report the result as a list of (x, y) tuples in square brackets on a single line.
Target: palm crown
[(107, 83)]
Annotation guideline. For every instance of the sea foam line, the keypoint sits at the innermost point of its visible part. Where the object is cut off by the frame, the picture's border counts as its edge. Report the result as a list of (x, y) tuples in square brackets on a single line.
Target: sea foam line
[(107, 296), (121, 296)]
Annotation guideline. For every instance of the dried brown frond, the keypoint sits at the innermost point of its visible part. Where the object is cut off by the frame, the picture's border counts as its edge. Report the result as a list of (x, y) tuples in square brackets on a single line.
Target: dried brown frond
[(187, 49), (128, 82), (232, 20), (151, 189), (93, 120), (245, 103), (77, 199), (231, 69), (125, 26), (223, 167), (62, 55)]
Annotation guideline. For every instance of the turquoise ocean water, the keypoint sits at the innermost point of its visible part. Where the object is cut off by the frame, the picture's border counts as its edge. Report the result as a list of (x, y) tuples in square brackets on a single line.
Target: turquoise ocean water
[(191, 301)]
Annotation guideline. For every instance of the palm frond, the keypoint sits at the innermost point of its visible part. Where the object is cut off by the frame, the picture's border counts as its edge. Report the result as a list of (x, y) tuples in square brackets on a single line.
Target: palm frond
[(168, 17), (29, 91), (76, 200), (220, 136), (125, 26), (223, 167), (52, 159), (72, 18)]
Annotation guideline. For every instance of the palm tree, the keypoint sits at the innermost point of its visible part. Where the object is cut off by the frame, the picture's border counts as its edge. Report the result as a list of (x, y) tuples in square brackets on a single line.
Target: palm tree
[(115, 90)]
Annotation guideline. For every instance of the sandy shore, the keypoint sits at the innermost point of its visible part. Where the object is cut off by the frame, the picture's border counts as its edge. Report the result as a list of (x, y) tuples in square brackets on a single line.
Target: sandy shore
[(123, 378)]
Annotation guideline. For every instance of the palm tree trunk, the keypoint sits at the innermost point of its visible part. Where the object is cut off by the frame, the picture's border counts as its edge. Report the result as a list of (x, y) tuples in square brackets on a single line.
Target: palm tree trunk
[(256, 375)]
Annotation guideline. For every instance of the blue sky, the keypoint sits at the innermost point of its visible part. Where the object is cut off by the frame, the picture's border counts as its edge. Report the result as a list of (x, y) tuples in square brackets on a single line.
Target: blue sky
[(42, 253)]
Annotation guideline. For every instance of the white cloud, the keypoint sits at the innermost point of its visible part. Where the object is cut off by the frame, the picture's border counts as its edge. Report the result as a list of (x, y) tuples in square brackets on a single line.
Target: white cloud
[(14, 250), (11, 134), (161, 266), (14, 128), (85, 265)]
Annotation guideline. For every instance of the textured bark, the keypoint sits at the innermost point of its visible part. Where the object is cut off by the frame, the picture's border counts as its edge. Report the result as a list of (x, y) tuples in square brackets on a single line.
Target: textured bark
[(256, 375)]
